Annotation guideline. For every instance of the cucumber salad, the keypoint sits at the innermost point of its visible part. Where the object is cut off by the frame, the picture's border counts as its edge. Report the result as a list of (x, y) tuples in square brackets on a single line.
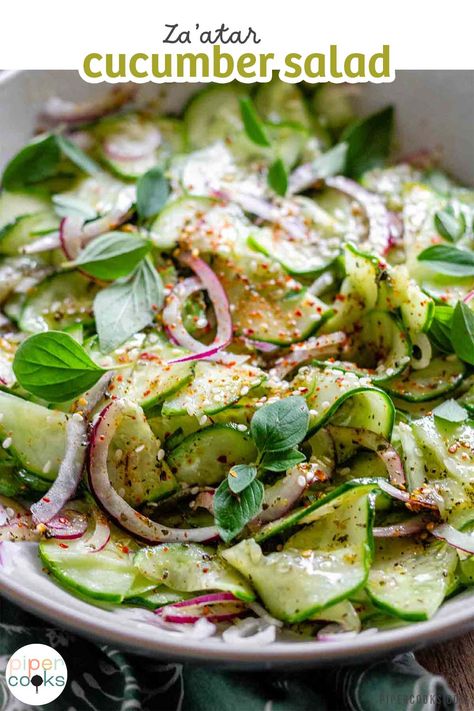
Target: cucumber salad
[(237, 362)]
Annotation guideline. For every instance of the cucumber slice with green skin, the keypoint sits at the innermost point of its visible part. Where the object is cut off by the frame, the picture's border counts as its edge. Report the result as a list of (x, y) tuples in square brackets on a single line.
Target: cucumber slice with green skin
[(319, 566), (358, 292), (467, 400), (447, 448), (265, 310), (391, 183), (398, 290), (25, 230), (20, 423), (57, 302), (343, 613), (133, 463), (213, 115), (158, 597), (344, 399), (410, 579), (443, 375), (96, 196), (278, 102), (320, 246), (317, 509), (206, 457), (381, 345), (333, 105), (213, 388), (178, 216), (15, 205), (189, 567), (106, 575)]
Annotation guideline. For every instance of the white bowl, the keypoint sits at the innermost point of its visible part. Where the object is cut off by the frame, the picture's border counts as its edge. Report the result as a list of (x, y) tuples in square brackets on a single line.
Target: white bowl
[(434, 110)]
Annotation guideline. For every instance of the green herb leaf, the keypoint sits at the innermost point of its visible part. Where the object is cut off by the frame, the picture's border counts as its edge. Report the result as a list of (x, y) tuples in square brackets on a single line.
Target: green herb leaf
[(440, 329), (232, 512), (254, 126), (332, 162), (449, 225), (113, 255), (449, 260), (77, 156), (462, 332), (282, 461), (127, 306), (240, 476), (369, 141), (278, 177), (37, 161), (451, 411), (281, 425), (152, 193), (54, 367)]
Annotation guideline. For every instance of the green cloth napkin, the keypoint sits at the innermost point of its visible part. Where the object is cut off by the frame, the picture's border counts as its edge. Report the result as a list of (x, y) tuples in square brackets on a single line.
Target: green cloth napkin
[(103, 679)]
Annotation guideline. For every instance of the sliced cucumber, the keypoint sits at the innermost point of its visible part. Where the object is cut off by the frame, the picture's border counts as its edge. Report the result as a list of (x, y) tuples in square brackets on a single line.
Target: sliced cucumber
[(381, 345), (133, 463), (20, 423), (178, 216), (213, 388), (188, 567), (410, 579), (320, 246), (106, 575), (24, 230), (333, 105), (319, 566), (206, 457), (344, 399), (443, 375), (15, 205), (8, 347), (57, 302), (158, 597), (447, 448), (153, 379), (391, 183), (264, 308), (278, 102), (398, 290), (213, 115)]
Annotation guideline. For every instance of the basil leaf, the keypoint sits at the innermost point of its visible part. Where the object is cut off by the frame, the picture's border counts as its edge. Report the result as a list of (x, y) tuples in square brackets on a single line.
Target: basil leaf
[(451, 411), (233, 512), (462, 332), (240, 476), (152, 193), (278, 177), (332, 162), (280, 425), (127, 306), (281, 461), (449, 260), (440, 329), (54, 367), (368, 142), (449, 225), (37, 161), (113, 255), (254, 126), (77, 156)]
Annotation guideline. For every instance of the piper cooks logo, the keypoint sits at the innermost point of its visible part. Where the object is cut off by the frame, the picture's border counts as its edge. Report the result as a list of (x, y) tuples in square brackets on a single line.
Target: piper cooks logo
[(36, 674)]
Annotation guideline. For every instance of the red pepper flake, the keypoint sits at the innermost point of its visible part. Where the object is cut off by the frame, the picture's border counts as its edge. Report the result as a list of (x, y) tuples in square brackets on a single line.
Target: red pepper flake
[(63, 545), (45, 498)]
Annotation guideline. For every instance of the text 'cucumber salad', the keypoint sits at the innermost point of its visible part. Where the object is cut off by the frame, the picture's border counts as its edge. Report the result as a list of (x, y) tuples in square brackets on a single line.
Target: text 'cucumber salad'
[(236, 363)]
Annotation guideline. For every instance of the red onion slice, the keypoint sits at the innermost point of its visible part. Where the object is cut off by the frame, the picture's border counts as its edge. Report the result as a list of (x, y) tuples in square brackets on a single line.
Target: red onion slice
[(100, 535), (374, 207), (460, 540), (57, 110), (115, 506), (172, 319), (72, 465), (424, 498), (215, 607), (321, 347), (410, 527), (378, 444), (126, 146), (469, 297), (68, 525), (281, 497)]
